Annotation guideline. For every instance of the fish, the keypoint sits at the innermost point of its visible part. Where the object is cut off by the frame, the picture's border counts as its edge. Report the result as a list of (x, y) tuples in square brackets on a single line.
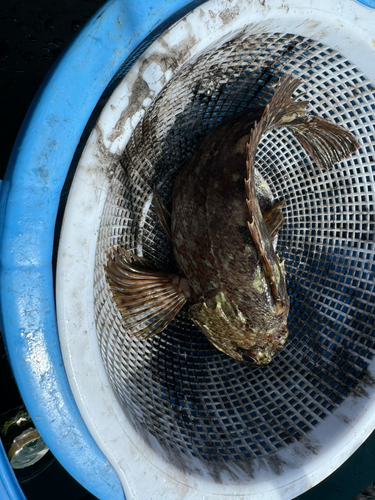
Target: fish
[(223, 243)]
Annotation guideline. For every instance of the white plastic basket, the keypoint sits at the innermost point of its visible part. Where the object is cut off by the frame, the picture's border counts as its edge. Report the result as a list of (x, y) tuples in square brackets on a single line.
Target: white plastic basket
[(176, 418)]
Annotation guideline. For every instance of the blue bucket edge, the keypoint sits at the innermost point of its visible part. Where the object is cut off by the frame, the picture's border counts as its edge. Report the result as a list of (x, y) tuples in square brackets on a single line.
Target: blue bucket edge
[(29, 203)]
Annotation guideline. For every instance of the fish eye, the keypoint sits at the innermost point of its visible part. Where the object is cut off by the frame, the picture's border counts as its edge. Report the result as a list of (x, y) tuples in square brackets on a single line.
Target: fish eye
[(248, 359), (255, 355)]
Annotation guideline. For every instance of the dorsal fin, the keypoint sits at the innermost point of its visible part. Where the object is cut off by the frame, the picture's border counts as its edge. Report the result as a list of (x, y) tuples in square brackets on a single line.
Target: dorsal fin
[(326, 142), (277, 113)]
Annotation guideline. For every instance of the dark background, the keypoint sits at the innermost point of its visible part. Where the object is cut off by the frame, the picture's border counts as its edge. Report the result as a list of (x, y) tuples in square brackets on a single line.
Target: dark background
[(33, 34)]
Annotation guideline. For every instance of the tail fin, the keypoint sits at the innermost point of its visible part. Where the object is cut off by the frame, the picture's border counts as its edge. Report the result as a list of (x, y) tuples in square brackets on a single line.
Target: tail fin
[(325, 142)]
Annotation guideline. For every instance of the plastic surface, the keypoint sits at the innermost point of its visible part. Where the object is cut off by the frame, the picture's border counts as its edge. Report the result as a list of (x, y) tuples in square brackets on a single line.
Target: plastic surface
[(29, 202), (99, 213), (9, 486), (367, 3)]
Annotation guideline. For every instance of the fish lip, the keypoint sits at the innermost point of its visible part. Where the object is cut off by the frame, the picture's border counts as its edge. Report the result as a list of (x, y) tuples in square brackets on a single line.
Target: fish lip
[(262, 355), (279, 340)]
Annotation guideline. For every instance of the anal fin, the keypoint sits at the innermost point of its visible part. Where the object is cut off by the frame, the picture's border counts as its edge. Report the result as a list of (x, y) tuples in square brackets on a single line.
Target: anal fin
[(147, 299)]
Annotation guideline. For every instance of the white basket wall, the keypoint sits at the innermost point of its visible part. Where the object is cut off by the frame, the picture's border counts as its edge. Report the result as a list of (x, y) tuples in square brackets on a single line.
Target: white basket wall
[(176, 418)]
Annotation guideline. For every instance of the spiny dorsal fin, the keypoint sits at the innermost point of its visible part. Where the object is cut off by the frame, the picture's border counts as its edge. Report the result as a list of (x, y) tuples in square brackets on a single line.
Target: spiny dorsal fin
[(147, 299), (326, 142), (279, 112)]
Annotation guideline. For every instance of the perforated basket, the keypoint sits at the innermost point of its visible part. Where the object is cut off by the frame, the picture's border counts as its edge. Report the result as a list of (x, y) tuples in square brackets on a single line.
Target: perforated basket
[(177, 418)]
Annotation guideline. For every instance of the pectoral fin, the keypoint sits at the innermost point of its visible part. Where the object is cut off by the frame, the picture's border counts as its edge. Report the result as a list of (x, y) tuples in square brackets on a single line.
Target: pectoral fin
[(147, 299), (274, 218)]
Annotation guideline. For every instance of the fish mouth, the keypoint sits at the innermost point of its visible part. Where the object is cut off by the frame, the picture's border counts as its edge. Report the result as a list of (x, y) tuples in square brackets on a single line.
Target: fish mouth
[(279, 339), (262, 355)]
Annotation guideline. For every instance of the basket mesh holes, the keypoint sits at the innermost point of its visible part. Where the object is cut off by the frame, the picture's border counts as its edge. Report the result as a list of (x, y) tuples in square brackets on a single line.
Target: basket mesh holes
[(177, 387)]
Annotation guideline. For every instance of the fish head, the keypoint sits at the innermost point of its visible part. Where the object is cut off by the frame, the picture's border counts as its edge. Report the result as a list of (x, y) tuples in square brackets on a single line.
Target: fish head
[(263, 352), (229, 330)]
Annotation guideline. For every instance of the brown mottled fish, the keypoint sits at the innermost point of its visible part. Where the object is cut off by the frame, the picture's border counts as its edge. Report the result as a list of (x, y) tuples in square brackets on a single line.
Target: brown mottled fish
[(222, 241)]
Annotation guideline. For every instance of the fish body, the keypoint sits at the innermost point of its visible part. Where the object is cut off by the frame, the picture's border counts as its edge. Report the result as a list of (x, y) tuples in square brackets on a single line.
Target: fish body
[(223, 242), (214, 248)]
